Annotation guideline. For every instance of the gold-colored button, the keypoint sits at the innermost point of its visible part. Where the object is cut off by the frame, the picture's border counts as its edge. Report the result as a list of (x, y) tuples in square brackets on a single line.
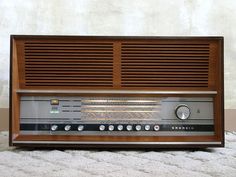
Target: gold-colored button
[(54, 102)]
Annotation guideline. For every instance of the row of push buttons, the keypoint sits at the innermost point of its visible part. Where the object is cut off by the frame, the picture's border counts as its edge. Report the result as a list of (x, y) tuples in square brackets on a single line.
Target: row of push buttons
[(67, 128), (112, 127), (129, 127)]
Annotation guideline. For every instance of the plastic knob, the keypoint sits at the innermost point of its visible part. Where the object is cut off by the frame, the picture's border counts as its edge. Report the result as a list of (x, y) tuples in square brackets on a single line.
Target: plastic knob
[(147, 127), (67, 128), (80, 128), (120, 127), (138, 127), (54, 127), (102, 127), (111, 127), (129, 127), (156, 127)]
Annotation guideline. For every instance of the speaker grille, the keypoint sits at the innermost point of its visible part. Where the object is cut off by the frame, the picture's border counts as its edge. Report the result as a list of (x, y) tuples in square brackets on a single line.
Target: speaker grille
[(149, 64), (82, 64)]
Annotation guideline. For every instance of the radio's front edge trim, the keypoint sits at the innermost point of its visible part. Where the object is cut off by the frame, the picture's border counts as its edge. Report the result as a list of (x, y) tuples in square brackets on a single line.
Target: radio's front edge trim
[(116, 92), (117, 143)]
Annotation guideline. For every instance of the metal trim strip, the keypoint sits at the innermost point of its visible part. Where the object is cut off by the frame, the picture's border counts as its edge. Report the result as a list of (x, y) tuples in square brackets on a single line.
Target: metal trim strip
[(116, 92), (116, 143)]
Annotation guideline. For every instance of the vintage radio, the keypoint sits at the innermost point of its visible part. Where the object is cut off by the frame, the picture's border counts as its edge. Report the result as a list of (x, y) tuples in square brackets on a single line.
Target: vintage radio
[(116, 92)]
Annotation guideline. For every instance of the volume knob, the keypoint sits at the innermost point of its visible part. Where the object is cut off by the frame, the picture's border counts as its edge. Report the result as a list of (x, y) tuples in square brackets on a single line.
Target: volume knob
[(182, 112)]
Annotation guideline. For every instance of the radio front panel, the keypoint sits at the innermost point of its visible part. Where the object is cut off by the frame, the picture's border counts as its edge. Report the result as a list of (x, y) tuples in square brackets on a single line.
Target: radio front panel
[(116, 91), (120, 116)]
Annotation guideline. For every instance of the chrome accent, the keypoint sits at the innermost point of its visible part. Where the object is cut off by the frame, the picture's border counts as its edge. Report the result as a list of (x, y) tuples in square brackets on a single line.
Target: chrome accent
[(102, 127), (129, 127), (138, 127), (115, 91), (111, 127), (67, 127), (120, 133), (80, 128), (182, 117), (147, 127), (99, 142), (120, 127), (156, 127), (54, 127)]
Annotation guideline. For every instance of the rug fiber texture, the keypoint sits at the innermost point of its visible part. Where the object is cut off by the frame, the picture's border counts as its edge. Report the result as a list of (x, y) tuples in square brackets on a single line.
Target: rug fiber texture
[(211, 162)]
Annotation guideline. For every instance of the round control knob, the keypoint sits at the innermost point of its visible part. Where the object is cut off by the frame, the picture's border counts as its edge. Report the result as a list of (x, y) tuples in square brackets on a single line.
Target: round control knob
[(147, 127), (156, 127), (138, 127), (80, 128), (129, 127), (67, 127), (54, 127), (102, 127), (182, 112), (111, 127), (120, 127)]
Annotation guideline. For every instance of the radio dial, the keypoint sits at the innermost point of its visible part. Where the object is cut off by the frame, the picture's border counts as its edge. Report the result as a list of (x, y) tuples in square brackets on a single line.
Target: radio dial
[(67, 127), (182, 112)]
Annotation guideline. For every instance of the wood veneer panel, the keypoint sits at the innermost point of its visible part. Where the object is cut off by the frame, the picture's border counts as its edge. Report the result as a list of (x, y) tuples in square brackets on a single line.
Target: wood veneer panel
[(116, 138)]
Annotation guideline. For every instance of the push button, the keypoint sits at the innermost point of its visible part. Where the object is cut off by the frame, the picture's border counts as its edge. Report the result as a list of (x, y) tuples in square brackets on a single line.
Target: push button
[(102, 127), (156, 127), (111, 127), (67, 128), (120, 127), (129, 127)]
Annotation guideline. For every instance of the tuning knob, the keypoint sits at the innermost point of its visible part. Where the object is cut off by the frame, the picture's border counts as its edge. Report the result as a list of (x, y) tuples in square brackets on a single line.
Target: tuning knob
[(54, 127), (67, 127), (182, 112)]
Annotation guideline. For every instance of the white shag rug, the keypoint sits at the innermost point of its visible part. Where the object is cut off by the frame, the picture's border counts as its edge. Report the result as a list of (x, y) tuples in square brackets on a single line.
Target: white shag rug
[(214, 162)]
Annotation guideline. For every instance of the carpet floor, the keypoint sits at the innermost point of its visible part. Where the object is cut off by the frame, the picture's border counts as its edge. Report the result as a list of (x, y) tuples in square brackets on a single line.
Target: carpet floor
[(211, 162)]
